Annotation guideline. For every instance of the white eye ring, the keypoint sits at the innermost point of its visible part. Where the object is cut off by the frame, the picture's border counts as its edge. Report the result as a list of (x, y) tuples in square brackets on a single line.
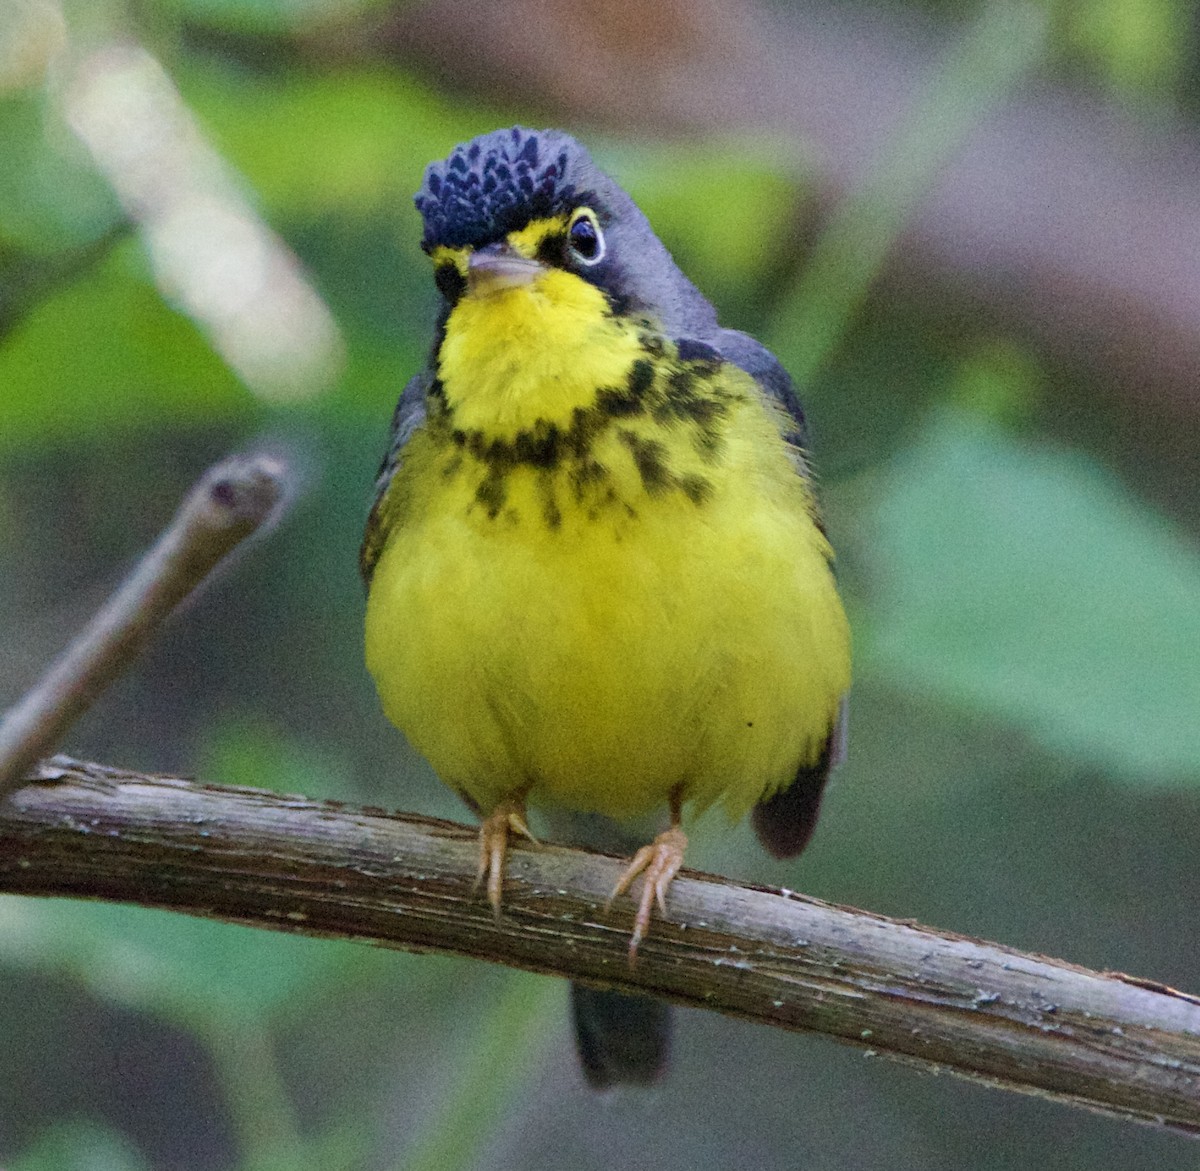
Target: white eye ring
[(584, 237)]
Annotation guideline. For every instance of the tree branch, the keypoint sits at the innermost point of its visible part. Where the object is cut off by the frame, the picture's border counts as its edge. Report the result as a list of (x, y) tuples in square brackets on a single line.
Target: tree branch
[(233, 499), (1108, 1042)]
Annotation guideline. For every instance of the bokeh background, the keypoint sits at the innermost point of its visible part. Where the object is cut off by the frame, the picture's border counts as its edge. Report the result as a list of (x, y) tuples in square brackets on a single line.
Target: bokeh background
[(971, 231)]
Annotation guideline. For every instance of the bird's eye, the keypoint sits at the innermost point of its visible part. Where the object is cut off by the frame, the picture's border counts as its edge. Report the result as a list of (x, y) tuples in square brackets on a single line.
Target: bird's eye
[(585, 238)]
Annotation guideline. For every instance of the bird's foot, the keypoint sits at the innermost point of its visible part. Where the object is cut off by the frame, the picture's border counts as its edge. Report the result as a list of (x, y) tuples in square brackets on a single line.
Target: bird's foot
[(660, 861), (508, 816)]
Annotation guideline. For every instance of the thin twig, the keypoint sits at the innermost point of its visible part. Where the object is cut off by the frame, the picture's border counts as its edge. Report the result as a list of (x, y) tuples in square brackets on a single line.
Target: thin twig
[(1108, 1042), (228, 503)]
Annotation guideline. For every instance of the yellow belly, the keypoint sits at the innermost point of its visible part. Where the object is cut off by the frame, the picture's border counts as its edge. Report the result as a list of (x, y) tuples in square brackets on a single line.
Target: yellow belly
[(623, 652)]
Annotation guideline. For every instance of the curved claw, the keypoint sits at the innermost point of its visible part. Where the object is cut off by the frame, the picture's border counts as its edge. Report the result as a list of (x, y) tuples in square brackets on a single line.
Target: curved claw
[(508, 816), (660, 861)]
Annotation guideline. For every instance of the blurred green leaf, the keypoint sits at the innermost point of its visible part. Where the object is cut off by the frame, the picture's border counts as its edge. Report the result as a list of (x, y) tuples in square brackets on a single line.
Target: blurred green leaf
[(354, 140), (80, 1146), (336, 159), (179, 968), (239, 751), (1000, 379), (505, 1053), (107, 352), (725, 209), (1140, 47), (264, 16), (51, 197), (1023, 582), (220, 982)]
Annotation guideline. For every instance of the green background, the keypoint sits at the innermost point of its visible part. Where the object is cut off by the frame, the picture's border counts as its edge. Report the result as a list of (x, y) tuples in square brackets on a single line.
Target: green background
[(1018, 555)]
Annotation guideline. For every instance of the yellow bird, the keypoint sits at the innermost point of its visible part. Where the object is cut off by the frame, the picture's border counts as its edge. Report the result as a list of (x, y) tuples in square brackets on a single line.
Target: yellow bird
[(598, 578)]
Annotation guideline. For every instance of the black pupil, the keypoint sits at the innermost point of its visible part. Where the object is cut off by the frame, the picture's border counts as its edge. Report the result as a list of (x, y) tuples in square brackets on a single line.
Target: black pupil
[(585, 239)]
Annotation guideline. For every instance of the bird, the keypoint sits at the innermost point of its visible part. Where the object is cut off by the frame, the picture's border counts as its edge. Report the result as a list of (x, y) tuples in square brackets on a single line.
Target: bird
[(598, 579)]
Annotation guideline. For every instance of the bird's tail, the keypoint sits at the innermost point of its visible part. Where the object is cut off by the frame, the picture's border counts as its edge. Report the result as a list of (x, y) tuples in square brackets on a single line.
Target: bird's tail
[(621, 1039)]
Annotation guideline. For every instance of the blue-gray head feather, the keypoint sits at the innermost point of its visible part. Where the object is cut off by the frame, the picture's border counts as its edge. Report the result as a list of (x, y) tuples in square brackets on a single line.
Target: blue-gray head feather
[(495, 183), (501, 181)]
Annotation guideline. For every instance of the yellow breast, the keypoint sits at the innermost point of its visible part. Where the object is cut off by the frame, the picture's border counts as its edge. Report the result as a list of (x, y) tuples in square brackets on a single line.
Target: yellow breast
[(616, 591)]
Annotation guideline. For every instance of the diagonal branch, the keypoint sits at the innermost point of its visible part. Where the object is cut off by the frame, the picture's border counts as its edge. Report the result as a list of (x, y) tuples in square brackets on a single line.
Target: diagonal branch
[(1104, 1041), (232, 500)]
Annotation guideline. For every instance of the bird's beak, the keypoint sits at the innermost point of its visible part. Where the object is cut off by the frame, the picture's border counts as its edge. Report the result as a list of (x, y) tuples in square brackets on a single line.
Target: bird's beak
[(497, 267)]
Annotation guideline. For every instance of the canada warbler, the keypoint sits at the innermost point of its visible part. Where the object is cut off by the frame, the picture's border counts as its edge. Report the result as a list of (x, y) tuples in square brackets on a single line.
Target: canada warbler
[(598, 579)]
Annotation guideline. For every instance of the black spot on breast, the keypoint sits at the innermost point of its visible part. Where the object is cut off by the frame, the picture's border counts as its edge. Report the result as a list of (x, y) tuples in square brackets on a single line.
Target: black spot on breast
[(650, 459), (708, 444), (585, 474), (641, 377), (543, 447), (682, 384), (630, 399), (551, 513), (492, 493), (586, 424), (690, 399), (696, 488), (617, 402), (547, 483), (540, 448), (674, 395), (689, 395)]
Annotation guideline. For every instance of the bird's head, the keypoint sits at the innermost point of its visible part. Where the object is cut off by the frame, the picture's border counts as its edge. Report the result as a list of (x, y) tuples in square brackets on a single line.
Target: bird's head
[(528, 210)]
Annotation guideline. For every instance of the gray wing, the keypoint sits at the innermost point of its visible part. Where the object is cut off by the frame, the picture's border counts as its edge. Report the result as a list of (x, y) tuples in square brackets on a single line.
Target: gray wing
[(408, 416), (752, 356)]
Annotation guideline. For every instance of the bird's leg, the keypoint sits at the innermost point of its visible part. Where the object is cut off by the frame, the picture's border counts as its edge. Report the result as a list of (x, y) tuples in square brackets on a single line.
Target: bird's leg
[(493, 846), (660, 861)]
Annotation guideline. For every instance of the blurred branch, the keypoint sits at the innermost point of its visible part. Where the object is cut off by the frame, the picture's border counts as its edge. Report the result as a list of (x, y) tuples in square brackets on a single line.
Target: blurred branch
[(228, 503), (211, 253), (1108, 1042)]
